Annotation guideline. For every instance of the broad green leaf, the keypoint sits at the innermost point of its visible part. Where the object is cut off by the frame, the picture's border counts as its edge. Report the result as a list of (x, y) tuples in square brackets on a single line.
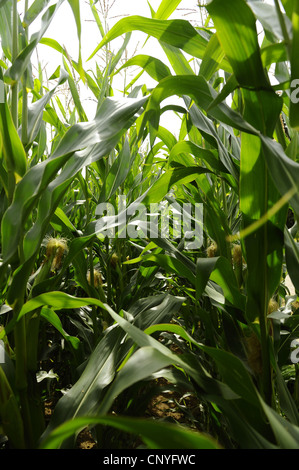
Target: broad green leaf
[(220, 271), (6, 28), (172, 176), (273, 54), (11, 145), (170, 264), (286, 400), (49, 315), (265, 243), (85, 395), (117, 173), (83, 398), (97, 17), (166, 8), (110, 122), (10, 415), (64, 219), (203, 95), (156, 435), (144, 362), (154, 67), (75, 6), (177, 59), (230, 368), (292, 257), (236, 31), (286, 433), (113, 114), (213, 59), (201, 154), (57, 300), (283, 170), (288, 7), (36, 109), (33, 11), (54, 44), (178, 33)]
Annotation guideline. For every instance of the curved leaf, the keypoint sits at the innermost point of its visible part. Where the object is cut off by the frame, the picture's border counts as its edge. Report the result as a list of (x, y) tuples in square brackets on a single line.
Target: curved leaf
[(178, 33), (154, 434), (154, 67)]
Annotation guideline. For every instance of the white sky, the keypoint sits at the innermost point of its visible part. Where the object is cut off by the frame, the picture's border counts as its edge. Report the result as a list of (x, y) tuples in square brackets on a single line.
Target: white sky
[(63, 30)]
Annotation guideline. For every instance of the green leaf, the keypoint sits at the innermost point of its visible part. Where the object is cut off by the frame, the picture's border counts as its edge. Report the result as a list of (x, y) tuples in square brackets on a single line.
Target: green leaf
[(236, 30), (292, 257), (203, 95), (33, 11), (111, 121), (11, 145), (178, 33), (201, 154), (172, 176), (36, 109), (10, 415), (166, 8), (171, 264), (6, 28), (294, 102), (85, 397), (213, 59), (49, 315), (283, 170), (267, 15), (117, 173), (54, 44), (286, 433), (154, 67), (177, 59), (17, 69), (154, 434), (220, 271)]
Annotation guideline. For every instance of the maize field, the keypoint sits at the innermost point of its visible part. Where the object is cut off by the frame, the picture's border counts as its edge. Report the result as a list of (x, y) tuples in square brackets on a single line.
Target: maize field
[(149, 271)]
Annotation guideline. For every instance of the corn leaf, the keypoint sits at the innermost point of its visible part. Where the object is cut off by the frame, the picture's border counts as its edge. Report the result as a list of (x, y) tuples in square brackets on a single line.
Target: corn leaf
[(178, 33), (12, 148), (155, 435)]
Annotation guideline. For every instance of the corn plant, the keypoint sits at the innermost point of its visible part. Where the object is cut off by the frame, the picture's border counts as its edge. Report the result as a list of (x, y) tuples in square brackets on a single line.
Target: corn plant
[(123, 306)]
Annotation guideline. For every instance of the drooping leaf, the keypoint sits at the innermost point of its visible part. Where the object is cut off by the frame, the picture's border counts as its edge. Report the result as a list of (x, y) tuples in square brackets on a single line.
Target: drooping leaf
[(178, 33), (155, 435)]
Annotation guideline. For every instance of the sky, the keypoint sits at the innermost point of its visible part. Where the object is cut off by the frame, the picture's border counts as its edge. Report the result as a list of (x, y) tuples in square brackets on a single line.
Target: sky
[(63, 25), (63, 30)]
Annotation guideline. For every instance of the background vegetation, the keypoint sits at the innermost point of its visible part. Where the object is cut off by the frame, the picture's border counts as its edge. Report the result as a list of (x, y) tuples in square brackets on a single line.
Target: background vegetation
[(94, 328)]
